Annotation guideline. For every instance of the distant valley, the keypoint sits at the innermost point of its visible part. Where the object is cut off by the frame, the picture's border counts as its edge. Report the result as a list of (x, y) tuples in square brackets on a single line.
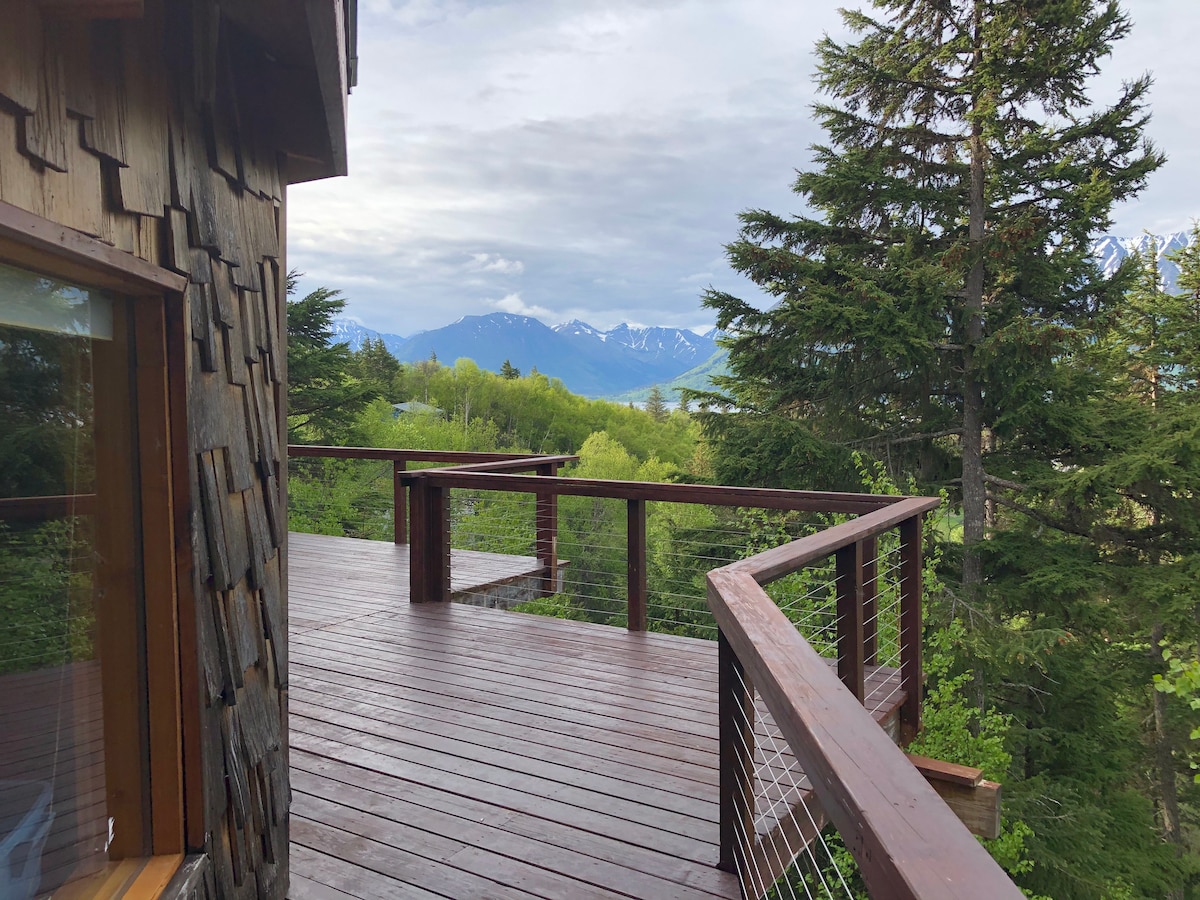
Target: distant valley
[(625, 362)]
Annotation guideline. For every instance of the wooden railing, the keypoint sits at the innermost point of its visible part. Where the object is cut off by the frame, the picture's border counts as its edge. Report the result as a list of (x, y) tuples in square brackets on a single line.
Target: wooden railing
[(906, 840), (856, 619), (37, 509), (492, 462)]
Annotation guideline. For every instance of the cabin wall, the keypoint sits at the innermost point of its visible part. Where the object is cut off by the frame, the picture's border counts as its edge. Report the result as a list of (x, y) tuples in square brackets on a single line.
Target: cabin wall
[(150, 135)]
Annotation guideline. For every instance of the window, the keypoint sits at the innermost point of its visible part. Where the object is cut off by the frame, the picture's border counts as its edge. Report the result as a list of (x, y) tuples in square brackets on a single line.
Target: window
[(89, 705)]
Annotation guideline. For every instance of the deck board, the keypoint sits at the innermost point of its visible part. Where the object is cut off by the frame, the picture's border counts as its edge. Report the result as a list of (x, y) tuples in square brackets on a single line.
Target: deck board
[(458, 751)]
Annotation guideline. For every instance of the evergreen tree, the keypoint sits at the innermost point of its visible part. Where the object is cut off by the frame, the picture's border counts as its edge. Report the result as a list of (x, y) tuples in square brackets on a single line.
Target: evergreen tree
[(374, 364), (323, 397), (509, 372), (940, 307), (921, 309), (655, 405)]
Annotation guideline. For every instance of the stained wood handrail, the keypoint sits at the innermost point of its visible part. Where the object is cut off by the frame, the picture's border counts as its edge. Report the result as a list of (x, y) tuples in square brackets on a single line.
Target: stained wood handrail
[(908, 843), (776, 562), (402, 454), (906, 840), (34, 509), (467, 461), (708, 494)]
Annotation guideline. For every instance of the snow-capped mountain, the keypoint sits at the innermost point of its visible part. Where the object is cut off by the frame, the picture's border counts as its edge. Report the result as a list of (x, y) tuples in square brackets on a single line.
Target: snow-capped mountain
[(663, 343), (576, 328), (599, 363), (1111, 251), (348, 331), (589, 361)]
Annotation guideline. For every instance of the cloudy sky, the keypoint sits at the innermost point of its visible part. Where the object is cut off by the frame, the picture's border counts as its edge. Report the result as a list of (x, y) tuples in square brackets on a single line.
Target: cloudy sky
[(588, 158)]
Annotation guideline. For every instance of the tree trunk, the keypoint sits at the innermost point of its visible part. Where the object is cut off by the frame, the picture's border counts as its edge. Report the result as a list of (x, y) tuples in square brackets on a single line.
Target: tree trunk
[(1164, 759), (974, 502)]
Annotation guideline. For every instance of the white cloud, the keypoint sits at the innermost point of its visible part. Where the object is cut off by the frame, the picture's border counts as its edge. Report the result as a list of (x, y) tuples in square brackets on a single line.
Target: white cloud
[(513, 304), (494, 262), (600, 150)]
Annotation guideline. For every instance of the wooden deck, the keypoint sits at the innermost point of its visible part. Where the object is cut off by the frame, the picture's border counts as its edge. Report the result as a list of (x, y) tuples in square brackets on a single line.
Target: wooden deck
[(454, 751)]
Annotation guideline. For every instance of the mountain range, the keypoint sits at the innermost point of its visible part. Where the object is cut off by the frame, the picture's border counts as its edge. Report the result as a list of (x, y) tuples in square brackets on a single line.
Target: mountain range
[(1112, 251), (626, 361), (589, 361)]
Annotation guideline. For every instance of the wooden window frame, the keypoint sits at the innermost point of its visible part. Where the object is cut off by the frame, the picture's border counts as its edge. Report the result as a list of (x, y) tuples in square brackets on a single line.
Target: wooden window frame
[(169, 804)]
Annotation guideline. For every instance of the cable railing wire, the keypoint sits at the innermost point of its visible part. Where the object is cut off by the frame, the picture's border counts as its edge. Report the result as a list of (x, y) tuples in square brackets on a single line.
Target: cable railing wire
[(769, 861)]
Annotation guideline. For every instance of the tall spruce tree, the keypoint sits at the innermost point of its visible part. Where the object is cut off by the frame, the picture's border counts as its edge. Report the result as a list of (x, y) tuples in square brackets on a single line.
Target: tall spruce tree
[(939, 306), (656, 405), (945, 269)]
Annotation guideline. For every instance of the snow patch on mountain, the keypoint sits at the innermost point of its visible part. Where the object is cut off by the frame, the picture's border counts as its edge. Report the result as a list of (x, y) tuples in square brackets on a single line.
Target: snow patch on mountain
[(1110, 251)]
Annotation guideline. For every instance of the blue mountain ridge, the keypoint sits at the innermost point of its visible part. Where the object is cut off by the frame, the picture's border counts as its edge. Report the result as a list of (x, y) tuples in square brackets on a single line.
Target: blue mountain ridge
[(627, 359), (589, 361)]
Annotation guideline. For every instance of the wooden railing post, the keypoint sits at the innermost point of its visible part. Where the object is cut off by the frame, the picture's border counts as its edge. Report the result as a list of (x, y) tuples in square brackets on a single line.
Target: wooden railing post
[(850, 618), (636, 554), (546, 539), (911, 628), (399, 505), (429, 554), (735, 722), (870, 604)]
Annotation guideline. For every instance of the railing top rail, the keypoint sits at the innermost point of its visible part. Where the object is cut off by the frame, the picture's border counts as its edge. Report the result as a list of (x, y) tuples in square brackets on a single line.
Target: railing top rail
[(521, 464), (908, 843), (776, 562), (402, 454), (712, 495), (33, 509)]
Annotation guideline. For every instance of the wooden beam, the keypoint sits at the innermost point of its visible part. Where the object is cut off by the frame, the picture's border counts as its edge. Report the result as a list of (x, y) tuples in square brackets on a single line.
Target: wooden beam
[(951, 773), (155, 477), (850, 618), (399, 503), (546, 532), (912, 677), (44, 246), (973, 799), (735, 721), (327, 29), (870, 582), (119, 617), (636, 558)]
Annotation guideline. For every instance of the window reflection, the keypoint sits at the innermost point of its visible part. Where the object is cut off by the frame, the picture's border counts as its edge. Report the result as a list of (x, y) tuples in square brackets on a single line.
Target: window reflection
[(53, 811)]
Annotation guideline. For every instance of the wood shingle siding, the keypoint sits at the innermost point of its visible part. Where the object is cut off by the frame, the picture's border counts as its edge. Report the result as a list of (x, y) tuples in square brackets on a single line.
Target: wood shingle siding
[(166, 131)]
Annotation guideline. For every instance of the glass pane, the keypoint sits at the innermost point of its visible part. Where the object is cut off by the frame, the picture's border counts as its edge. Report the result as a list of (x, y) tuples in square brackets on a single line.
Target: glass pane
[(54, 823)]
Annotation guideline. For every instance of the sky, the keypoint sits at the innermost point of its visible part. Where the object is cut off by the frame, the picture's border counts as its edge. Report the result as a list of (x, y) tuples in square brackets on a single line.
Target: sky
[(587, 159)]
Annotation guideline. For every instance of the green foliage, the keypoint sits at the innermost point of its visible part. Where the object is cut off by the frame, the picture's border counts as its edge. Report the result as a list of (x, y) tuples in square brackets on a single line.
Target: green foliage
[(538, 414), (940, 310), (46, 408), (655, 405), (1182, 680), (556, 606), (45, 595), (323, 395), (374, 364)]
